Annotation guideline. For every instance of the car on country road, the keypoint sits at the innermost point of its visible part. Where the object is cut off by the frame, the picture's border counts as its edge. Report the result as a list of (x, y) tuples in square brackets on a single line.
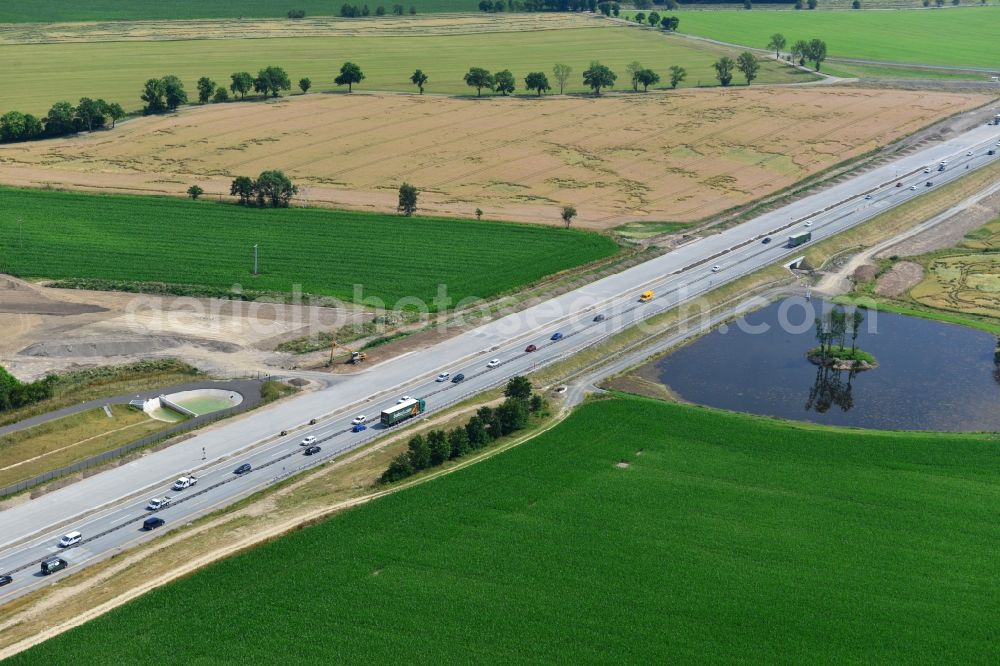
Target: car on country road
[(360, 418), (308, 441), (184, 482), (53, 564), (242, 469), (494, 363), (312, 450), (443, 377), (599, 317), (458, 378), (359, 427), (556, 336), (156, 504), (530, 348), (6, 579), (152, 523)]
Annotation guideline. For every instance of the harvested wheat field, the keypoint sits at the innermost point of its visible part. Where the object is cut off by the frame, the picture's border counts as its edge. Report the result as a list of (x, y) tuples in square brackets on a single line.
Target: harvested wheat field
[(679, 156)]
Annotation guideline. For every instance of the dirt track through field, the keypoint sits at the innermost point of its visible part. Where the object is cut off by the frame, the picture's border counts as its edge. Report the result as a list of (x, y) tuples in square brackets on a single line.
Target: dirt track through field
[(679, 156)]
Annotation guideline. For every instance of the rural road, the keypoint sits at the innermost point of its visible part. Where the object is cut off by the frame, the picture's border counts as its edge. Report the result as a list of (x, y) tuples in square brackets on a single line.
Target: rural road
[(108, 507)]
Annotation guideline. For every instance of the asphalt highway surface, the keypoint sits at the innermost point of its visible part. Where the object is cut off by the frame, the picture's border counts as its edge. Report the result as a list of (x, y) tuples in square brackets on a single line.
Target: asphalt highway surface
[(109, 508)]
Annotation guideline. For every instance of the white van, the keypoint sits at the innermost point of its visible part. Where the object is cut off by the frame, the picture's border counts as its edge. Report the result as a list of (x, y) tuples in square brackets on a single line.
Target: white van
[(70, 539)]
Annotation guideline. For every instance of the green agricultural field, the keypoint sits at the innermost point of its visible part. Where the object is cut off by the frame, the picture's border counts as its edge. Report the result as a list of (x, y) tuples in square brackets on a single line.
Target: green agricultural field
[(634, 532), (210, 245), (41, 11), (40, 74), (965, 36)]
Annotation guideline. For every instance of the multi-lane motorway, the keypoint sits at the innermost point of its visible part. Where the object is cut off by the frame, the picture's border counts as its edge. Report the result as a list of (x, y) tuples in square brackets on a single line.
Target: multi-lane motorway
[(109, 508)]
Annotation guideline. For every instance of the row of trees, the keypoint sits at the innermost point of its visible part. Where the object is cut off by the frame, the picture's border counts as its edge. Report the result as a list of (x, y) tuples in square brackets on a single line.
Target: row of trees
[(15, 393), (669, 23), (271, 189), (488, 425), (813, 50), (646, 4), (746, 63), (62, 119), (538, 5), (354, 11)]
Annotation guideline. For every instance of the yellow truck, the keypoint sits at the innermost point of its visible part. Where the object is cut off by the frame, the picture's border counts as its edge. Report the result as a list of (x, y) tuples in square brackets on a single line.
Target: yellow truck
[(646, 296)]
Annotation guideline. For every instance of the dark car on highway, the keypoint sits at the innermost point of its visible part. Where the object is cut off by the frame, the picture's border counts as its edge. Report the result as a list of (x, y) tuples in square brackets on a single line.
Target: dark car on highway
[(766, 240), (152, 523), (458, 378), (6, 579), (53, 565), (311, 450), (531, 348), (599, 318), (556, 336), (243, 469)]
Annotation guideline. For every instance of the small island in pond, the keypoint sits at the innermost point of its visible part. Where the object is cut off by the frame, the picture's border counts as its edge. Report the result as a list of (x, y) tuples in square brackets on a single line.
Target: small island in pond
[(842, 358), (836, 326)]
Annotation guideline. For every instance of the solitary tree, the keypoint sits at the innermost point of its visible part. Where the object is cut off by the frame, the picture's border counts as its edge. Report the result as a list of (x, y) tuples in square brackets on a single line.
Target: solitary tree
[(724, 70), (633, 69), (747, 63), (194, 192), (561, 74), (273, 188), (777, 43), (242, 187), (349, 74), (479, 78), (646, 78), (115, 112), (90, 113), (173, 92), (640, 17), (152, 95), (816, 52), (206, 87), (419, 79), (518, 387), (407, 199), (568, 213), (242, 83), (677, 74), (479, 213), (537, 81), (670, 23), (305, 84), (271, 80), (503, 82), (653, 19), (599, 76), (799, 51)]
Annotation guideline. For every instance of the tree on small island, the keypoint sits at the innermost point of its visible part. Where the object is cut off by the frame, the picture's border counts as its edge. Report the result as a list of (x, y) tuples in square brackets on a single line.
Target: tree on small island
[(834, 328)]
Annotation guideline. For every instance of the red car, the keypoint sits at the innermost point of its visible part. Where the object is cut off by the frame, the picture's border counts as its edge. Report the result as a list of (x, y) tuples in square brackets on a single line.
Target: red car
[(531, 348)]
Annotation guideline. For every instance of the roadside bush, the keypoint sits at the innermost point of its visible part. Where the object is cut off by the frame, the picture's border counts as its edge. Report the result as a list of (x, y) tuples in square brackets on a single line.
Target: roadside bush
[(15, 393)]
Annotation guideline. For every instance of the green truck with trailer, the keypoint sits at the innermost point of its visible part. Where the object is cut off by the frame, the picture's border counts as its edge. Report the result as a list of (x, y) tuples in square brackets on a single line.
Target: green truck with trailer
[(406, 409), (799, 239)]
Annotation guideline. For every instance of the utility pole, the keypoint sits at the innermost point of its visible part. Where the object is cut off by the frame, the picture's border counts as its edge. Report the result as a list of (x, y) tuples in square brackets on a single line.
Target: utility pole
[(255, 258)]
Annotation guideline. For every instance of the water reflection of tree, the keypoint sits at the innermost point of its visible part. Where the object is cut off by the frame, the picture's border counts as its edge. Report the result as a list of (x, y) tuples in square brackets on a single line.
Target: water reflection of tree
[(829, 389)]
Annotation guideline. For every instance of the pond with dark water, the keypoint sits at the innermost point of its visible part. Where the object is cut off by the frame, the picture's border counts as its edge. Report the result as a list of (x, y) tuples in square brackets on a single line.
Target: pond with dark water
[(931, 375)]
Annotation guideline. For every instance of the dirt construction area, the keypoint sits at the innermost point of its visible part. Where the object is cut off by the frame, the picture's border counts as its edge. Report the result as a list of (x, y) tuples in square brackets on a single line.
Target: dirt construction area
[(679, 156), (50, 330)]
